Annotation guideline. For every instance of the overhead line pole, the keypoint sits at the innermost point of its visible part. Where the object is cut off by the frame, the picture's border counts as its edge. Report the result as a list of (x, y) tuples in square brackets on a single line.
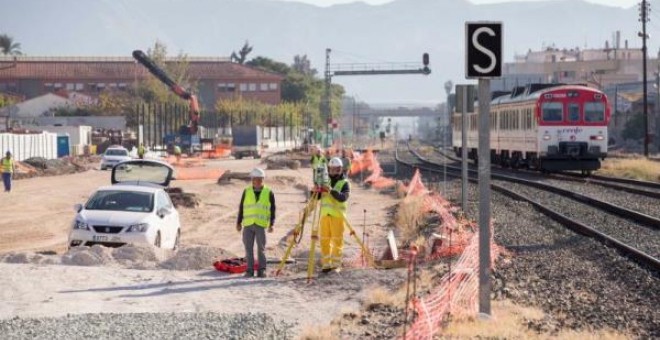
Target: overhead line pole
[(644, 9), (361, 70)]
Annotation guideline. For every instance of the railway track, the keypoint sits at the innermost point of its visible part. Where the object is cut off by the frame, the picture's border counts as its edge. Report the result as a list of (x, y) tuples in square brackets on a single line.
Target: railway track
[(632, 233), (637, 187)]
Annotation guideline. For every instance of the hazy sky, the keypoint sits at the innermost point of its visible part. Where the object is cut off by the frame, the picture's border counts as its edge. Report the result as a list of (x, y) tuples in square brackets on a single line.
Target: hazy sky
[(620, 3)]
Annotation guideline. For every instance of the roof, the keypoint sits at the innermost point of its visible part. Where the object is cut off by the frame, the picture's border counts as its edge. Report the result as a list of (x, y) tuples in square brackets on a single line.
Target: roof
[(91, 68)]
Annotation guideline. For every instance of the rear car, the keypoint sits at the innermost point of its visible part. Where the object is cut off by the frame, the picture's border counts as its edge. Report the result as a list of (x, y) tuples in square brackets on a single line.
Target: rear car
[(114, 155), (135, 209)]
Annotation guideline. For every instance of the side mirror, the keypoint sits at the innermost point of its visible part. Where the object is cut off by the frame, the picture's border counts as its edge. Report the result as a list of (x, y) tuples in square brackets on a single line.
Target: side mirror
[(162, 212), (78, 207)]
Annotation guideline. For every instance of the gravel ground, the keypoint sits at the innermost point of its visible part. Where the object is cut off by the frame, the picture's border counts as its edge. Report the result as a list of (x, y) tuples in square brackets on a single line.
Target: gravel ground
[(148, 326), (579, 283)]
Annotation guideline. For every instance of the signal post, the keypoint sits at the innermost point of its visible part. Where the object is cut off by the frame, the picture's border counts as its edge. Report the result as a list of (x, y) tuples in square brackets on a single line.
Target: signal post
[(484, 62)]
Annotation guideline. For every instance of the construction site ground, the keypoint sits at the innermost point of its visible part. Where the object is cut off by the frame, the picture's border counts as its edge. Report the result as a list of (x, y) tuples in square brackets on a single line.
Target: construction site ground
[(36, 219)]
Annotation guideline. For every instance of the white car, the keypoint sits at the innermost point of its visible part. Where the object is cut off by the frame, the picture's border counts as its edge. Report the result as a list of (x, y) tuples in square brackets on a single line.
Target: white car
[(134, 209), (114, 155)]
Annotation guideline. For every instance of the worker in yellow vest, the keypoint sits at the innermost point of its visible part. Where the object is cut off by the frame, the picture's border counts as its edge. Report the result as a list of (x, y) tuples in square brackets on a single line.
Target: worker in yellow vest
[(141, 151), (333, 213), (317, 161), (8, 168), (177, 153), (256, 214)]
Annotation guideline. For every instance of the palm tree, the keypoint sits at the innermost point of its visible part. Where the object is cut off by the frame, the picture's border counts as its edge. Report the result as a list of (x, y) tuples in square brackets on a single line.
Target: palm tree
[(241, 56), (8, 46)]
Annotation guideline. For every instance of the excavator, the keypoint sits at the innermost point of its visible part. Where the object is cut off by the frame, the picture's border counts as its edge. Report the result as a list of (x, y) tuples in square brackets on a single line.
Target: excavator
[(159, 73)]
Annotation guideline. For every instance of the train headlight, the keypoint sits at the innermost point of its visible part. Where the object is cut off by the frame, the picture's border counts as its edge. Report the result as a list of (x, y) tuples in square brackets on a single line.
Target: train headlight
[(599, 137), (546, 137)]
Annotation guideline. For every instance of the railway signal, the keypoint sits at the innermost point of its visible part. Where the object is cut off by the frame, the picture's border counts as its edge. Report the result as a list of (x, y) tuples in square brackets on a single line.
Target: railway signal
[(483, 50), (484, 61)]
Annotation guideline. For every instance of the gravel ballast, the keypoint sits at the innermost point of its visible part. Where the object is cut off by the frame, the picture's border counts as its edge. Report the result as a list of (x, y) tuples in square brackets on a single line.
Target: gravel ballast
[(148, 326), (578, 282)]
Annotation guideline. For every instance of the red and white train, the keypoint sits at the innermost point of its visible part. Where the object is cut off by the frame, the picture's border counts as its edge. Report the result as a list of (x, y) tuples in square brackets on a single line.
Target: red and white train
[(550, 127)]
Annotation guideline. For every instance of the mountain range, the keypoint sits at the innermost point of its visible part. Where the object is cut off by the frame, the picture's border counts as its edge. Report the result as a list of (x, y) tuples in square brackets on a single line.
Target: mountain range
[(399, 31)]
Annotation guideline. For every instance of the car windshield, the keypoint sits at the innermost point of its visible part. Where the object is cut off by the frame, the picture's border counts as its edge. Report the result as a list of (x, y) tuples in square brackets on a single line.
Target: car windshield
[(121, 201), (116, 152)]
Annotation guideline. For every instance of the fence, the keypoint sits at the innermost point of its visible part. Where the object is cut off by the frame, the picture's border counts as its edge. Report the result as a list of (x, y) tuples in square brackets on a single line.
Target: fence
[(24, 146), (157, 121), (456, 293)]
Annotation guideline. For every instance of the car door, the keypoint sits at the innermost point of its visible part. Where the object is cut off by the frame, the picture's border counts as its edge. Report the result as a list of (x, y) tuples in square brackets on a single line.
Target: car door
[(169, 220)]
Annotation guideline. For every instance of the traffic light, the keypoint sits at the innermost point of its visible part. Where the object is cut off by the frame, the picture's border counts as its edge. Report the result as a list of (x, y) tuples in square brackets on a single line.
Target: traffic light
[(425, 61)]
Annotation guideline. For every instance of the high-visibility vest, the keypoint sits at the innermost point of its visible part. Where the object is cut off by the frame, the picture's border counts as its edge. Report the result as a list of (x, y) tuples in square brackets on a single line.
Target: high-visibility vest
[(330, 206), (317, 161), (256, 212), (7, 165), (140, 150), (177, 150)]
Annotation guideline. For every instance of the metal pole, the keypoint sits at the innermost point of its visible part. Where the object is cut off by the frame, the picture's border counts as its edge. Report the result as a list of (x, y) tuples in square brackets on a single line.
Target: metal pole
[(484, 196), (326, 101), (464, 165), (646, 109)]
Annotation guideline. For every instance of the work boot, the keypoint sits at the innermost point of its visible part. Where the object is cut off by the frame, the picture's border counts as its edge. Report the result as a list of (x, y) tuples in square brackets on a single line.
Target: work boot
[(261, 273), (326, 270), (249, 274)]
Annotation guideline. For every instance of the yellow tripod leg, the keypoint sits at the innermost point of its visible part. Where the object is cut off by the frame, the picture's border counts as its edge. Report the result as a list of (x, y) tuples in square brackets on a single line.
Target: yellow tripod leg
[(298, 229), (314, 238), (365, 251)]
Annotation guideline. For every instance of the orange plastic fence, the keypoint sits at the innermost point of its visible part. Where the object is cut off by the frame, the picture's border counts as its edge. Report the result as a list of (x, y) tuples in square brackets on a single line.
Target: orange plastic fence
[(457, 292)]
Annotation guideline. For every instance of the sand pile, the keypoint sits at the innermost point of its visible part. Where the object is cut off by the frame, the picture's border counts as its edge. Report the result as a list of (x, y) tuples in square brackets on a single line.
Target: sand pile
[(129, 256), (88, 256), (195, 258)]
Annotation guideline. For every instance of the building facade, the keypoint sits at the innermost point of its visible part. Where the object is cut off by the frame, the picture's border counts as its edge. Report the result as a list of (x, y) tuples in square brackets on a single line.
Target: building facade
[(216, 78)]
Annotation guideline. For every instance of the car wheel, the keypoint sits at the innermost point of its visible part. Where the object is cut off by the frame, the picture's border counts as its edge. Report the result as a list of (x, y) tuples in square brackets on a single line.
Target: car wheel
[(176, 240), (157, 241)]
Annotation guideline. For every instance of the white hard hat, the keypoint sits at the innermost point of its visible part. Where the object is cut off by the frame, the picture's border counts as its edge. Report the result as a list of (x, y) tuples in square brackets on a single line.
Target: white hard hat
[(335, 162), (257, 173)]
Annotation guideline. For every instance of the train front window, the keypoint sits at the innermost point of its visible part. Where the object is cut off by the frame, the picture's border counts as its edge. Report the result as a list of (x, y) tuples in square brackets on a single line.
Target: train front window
[(552, 112), (573, 112), (594, 112)]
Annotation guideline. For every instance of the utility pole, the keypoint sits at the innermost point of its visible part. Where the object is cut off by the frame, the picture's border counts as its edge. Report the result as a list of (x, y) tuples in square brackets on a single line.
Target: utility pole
[(643, 13), (326, 109)]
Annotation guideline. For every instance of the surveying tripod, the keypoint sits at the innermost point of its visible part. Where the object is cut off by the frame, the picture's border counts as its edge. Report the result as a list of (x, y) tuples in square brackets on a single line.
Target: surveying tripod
[(313, 208)]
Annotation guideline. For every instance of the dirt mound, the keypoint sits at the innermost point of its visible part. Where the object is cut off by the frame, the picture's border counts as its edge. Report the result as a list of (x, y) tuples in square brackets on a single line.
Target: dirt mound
[(183, 199), (129, 256), (39, 166), (228, 176), (131, 252), (276, 163), (85, 256), (195, 258)]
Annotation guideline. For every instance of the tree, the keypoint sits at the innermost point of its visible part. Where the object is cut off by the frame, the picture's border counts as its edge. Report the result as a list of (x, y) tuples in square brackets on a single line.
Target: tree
[(241, 57), (8, 46), (634, 128), (270, 65), (302, 65)]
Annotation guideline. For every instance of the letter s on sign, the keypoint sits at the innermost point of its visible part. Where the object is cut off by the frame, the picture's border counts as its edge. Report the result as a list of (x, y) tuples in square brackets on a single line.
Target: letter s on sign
[(489, 53)]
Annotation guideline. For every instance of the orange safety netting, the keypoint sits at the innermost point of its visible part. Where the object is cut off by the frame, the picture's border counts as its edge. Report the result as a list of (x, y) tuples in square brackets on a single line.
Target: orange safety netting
[(457, 292), (367, 162)]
